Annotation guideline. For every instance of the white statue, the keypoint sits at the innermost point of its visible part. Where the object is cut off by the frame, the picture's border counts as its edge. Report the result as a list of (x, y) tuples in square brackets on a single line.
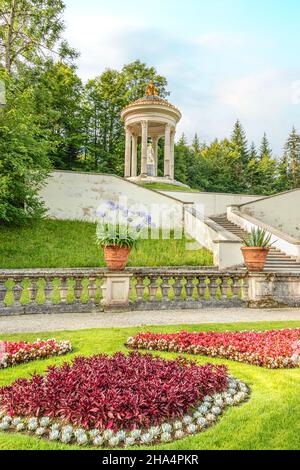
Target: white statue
[(150, 154)]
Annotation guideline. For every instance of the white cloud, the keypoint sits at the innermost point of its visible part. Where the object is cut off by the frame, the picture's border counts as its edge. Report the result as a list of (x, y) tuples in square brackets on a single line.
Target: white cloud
[(259, 95), (219, 39), (99, 40)]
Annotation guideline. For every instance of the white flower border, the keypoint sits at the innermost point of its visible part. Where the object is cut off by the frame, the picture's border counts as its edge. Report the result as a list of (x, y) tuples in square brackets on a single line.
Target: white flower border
[(22, 356), (202, 417)]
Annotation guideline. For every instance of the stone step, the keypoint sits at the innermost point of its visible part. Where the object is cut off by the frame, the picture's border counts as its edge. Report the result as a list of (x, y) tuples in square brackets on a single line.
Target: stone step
[(277, 261)]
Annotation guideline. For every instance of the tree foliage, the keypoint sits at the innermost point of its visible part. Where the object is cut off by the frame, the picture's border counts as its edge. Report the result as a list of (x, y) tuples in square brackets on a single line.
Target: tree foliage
[(31, 30)]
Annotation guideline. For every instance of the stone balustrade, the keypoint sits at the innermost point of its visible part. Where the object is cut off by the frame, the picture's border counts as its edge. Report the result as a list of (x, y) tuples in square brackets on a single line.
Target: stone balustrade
[(34, 291), (88, 290), (187, 288), (79, 290)]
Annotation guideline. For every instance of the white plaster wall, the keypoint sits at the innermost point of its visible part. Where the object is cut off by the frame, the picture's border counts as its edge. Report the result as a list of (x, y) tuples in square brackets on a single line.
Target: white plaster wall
[(281, 212), (76, 196), (226, 250), (213, 203)]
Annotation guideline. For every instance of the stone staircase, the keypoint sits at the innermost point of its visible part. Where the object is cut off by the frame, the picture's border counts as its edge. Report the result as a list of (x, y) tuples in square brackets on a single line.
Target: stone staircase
[(277, 261)]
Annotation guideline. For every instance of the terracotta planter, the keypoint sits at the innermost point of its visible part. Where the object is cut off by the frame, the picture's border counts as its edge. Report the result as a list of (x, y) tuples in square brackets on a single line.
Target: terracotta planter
[(255, 258), (116, 257)]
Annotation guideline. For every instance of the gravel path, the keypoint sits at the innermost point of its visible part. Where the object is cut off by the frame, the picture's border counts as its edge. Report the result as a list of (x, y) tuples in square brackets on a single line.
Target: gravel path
[(79, 321)]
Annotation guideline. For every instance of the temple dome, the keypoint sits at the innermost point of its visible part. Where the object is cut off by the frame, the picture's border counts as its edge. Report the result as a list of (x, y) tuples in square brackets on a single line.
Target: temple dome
[(151, 100)]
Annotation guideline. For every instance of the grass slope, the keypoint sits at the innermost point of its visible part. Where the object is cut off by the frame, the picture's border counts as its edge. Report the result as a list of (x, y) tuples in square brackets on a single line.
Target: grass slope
[(169, 187), (269, 420), (59, 244)]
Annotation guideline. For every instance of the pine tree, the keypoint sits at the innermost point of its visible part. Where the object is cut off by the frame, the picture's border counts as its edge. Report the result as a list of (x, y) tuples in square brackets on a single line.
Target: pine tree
[(265, 149), (266, 169), (252, 170), (196, 144), (239, 140), (252, 152), (290, 163)]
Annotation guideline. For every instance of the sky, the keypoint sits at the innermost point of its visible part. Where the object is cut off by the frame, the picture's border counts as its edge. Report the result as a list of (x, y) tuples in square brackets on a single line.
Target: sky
[(223, 59)]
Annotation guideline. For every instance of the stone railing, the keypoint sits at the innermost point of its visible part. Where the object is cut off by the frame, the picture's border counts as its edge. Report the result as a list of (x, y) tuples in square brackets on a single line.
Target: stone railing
[(86, 290), (96, 290), (189, 288), (62, 290)]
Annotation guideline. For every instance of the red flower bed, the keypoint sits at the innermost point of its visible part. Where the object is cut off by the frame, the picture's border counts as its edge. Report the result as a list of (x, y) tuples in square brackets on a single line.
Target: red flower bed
[(12, 353), (119, 392), (271, 349)]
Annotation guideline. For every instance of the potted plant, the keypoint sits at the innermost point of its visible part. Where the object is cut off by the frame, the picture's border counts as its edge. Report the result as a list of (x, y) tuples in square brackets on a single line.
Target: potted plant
[(118, 232), (117, 242), (255, 250)]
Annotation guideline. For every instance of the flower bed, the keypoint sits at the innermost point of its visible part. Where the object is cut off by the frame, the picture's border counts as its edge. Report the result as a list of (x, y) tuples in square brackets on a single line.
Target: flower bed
[(13, 353), (271, 349), (119, 400)]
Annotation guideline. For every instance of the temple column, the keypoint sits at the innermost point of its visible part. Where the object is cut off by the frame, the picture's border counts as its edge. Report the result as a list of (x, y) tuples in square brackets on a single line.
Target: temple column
[(155, 151), (172, 153), (144, 148), (167, 156), (134, 156), (127, 152)]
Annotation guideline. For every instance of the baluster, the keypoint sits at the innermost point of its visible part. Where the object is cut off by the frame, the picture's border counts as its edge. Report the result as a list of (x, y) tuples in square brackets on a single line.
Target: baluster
[(189, 287), (165, 287), (63, 289), (78, 289), (236, 287), (152, 288), (17, 289), (177, 287), (140, 288), (33, 290), (92, 290), (201, 287), (213, 287)]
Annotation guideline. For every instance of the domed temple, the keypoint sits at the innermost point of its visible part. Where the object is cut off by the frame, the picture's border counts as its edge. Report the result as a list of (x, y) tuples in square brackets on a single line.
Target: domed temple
[(150, 119)]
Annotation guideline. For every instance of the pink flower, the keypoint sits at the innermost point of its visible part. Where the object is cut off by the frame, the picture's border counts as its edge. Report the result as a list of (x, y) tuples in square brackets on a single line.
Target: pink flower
[(272, 349)]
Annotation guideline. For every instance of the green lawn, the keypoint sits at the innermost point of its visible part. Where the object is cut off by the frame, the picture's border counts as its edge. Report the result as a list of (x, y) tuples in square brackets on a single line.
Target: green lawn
[(269, 420), (169, 187), (67, 244)]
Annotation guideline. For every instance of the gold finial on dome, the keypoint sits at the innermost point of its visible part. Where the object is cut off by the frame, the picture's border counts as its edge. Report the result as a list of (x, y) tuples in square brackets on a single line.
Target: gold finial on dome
[(152, 89)]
